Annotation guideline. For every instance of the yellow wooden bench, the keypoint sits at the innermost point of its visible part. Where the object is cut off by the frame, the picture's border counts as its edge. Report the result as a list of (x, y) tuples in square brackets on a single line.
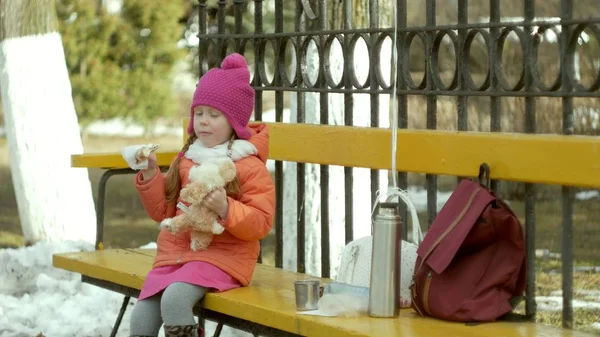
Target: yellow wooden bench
[(267, 306), (269, 302)]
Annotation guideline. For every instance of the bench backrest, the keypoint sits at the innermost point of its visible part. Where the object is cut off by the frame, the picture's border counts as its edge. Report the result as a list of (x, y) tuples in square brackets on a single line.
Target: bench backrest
[(546, 159)]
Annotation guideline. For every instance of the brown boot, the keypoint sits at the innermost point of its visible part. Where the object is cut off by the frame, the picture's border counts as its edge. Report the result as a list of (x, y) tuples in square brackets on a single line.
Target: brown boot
[(181, 330)]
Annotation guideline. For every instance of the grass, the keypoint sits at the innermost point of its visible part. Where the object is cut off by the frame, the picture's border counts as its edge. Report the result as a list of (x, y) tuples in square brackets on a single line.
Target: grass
[(548, 282), (127, 225)]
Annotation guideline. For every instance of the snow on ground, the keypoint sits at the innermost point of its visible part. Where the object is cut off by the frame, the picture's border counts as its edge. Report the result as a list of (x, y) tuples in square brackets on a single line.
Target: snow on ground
[(117, 127), (419, 198), (554, 303), (586, 195)]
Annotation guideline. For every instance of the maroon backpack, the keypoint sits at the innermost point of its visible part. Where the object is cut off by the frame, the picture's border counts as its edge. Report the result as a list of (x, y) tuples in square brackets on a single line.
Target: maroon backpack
[(472, 261)]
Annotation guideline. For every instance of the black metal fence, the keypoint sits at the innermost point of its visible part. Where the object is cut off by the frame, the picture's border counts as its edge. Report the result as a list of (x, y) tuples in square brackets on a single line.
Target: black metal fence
[(313, 25)]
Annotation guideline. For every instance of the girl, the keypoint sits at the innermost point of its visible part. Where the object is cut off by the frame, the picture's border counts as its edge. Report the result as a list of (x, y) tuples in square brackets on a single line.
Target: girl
[(221, 108)]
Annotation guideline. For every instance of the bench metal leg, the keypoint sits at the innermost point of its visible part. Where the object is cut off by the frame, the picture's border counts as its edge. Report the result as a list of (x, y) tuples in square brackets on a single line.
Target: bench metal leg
[(218, 329), (241, 324), (120, 316), (101, 198), (100, 203), (201, 323)]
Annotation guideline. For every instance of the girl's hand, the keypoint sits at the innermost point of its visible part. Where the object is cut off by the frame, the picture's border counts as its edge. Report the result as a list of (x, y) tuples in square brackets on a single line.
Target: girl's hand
[(152, 167), (217, 201)]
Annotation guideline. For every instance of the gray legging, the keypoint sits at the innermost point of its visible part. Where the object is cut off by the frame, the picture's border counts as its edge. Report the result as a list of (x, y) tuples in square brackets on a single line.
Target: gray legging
[(173, 307)]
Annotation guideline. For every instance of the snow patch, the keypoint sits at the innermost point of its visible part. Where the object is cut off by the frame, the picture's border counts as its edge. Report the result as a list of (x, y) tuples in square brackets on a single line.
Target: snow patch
[(149, 245), (554, 303), (118, 127), (587, 195), (592, 295)]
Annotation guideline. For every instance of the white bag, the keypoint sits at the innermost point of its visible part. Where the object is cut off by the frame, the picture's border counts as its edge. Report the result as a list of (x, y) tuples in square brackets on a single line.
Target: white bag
[(355, 263)]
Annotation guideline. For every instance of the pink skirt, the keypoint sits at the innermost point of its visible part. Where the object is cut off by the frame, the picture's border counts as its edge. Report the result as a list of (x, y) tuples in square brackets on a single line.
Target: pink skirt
[(199, 273)]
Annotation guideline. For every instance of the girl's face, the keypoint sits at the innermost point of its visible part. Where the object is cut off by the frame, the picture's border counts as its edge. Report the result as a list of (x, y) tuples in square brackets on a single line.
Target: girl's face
[(211, 126)]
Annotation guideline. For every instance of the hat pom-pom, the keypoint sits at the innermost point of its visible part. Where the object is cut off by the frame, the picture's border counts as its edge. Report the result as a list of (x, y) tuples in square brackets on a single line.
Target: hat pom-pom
[(234, 61)]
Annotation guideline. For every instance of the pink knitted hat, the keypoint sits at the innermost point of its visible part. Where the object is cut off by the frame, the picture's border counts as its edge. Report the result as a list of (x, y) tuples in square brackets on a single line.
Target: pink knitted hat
[(228, 90)]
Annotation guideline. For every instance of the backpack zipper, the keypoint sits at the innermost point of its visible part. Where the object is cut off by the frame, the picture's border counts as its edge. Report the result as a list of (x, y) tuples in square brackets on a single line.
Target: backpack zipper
[(434, 246), (426, 293), (413, 290)]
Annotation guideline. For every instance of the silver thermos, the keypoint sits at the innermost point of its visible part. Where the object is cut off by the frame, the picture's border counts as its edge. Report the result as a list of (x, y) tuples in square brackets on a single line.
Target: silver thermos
[(384, 290)]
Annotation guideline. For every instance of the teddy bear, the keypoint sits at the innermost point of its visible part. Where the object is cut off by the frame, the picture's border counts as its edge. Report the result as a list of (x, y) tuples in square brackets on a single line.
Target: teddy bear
[(201, 221)]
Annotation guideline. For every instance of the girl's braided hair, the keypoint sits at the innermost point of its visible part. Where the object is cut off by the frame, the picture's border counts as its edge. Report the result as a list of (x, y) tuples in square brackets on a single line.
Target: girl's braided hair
[(173, 183)]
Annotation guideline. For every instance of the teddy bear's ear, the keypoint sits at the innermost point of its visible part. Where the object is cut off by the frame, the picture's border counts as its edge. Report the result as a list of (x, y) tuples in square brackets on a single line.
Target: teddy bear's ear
[(227, 170), (184, 193)]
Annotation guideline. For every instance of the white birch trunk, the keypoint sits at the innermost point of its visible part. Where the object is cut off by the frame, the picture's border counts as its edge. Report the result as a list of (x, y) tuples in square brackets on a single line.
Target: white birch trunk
[(54, 200), (312, 201), (361, 187)]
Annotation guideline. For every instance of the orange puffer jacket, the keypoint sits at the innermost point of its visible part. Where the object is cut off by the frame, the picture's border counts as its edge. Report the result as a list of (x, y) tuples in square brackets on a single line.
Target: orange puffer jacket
[(250, 216)]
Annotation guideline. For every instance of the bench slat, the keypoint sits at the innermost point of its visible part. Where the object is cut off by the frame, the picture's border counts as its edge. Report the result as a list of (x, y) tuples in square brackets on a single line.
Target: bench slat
[(269, 301), (548, 159), (124, 267), (112, 160), (552, 159)]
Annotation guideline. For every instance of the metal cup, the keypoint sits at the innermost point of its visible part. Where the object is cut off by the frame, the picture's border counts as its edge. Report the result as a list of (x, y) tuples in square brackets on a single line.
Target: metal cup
[(307, 294)]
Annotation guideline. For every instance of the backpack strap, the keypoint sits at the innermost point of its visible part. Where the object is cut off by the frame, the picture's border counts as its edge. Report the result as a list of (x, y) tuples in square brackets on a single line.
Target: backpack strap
[(484, 175)]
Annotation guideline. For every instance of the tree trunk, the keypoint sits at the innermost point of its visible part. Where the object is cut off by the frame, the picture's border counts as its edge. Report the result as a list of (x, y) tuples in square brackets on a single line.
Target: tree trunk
[(336, 195), (54, 200), (360, 11)]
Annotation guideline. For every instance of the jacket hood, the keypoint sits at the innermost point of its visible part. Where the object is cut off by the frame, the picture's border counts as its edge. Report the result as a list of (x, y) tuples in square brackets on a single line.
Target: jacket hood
[(260, 139)]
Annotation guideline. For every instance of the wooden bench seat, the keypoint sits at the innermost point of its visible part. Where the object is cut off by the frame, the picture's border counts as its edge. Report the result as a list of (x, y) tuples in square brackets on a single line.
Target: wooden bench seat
[(269, 301)]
